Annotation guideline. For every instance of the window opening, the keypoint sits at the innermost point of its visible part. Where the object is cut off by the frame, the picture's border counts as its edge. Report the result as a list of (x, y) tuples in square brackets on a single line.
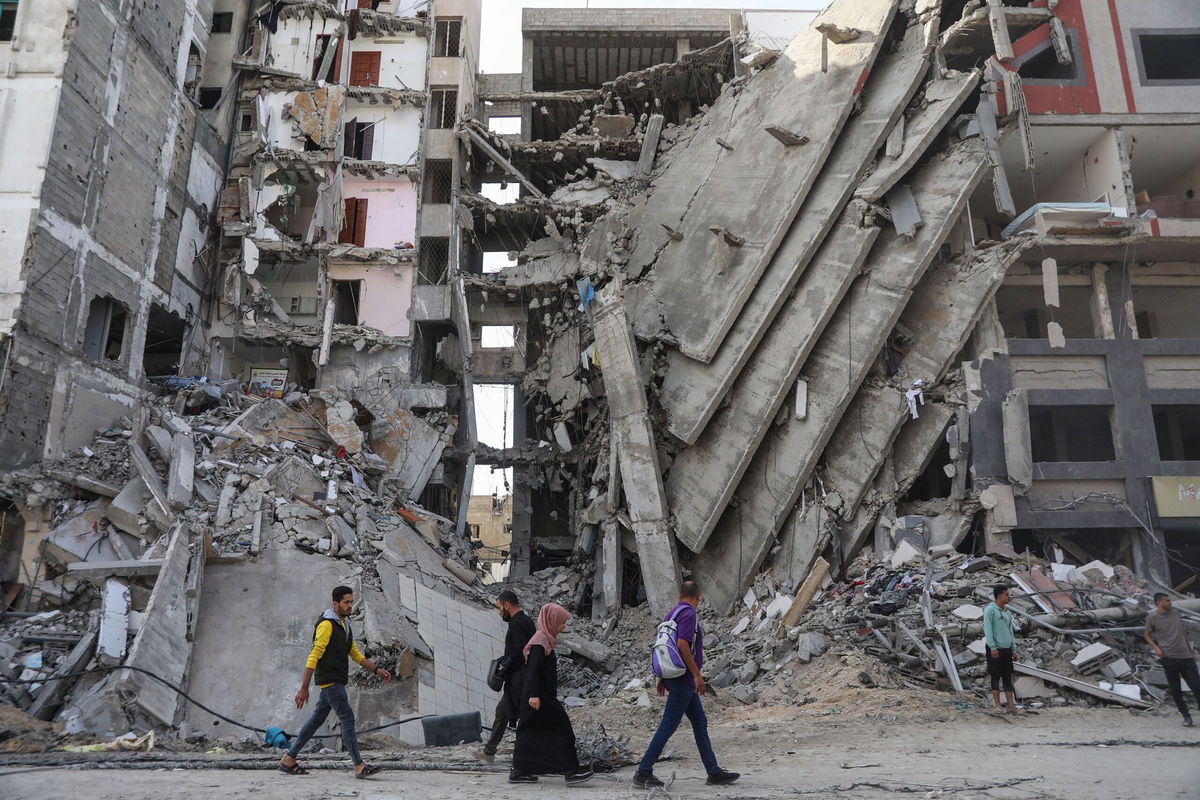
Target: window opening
[(334, 71), (165, 334), (104, 332), (1024, 315), (246, 122), (443, 108), (504, 125), (448, 38), (209, 96), (433, 255), (346, 295), (1071, 433), (1042, 64), (498, 337), (1178, 431), (8, 19), (222, 22), (1167, 312), (359, 140), (1168, 55), (438, 181)]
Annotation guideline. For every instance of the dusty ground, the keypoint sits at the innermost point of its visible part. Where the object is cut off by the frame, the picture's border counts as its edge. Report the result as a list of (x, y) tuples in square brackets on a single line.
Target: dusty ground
[(858, 743)]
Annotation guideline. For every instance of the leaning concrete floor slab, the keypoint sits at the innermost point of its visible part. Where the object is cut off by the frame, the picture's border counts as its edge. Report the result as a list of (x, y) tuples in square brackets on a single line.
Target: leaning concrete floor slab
[(835, 369), (941, 314), (732, 225), (692, 390)]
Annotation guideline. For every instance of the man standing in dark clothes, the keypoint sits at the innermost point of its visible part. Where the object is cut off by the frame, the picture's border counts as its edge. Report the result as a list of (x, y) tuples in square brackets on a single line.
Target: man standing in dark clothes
[(520, 631), (1165, 633), (333, 644), (683, 696)]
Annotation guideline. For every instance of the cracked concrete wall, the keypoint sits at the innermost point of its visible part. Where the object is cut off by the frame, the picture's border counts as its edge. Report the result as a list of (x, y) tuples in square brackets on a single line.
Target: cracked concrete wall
[(110, 209)]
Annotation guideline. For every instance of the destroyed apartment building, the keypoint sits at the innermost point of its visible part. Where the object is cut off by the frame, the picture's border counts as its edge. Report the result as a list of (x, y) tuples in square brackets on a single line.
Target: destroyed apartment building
[(773, 299)]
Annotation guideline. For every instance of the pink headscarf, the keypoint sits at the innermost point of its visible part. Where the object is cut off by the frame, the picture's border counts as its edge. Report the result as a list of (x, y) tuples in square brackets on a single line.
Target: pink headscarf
[(549, 618)]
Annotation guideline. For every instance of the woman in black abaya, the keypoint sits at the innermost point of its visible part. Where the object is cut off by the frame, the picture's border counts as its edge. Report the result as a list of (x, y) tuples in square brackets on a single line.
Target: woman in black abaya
[(545, 739)]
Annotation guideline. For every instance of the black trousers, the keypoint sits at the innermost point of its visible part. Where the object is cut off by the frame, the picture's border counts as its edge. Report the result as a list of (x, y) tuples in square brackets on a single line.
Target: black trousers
[(1001, 669), (1185, 668)]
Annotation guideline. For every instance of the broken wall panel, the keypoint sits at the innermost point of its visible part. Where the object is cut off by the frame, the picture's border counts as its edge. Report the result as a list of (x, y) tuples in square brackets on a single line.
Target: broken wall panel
[(910, 452), (941, 315), (733, 224), (943, 97), (835, 369), (704, 476), (692, 390), (633, 438)]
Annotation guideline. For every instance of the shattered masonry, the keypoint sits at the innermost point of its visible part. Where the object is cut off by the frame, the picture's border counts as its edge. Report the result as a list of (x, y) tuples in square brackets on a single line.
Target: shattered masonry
[(910, 282)]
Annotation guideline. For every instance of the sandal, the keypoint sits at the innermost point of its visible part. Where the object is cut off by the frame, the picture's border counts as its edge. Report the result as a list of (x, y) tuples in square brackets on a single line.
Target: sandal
[(294, 769), (367, 771)]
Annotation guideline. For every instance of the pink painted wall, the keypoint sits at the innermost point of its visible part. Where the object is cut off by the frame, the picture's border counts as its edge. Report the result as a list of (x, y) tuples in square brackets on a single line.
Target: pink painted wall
[(385, 296), (391, 209)]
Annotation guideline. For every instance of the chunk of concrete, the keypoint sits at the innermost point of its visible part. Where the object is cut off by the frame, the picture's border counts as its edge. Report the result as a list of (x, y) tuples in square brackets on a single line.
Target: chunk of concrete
[(905, 553), (811, 644), (339, 422), (183, 465), (114, 622), (161, 440), (968, 612), (125, 511)]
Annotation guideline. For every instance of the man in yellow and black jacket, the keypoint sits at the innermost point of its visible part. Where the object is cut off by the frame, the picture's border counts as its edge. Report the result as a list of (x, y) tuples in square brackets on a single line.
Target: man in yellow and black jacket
[(333, 644)]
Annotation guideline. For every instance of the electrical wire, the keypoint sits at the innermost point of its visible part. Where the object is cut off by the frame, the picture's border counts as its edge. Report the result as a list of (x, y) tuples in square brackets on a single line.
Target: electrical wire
[(178, 690)]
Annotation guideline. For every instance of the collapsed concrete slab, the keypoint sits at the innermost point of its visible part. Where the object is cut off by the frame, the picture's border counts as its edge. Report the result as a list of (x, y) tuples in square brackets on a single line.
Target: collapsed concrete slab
[(704, 476), (754, 184), (940, 316), (692, 390), (163, 644), (634, 441), (835, 369), (412, 446), (942, 99)]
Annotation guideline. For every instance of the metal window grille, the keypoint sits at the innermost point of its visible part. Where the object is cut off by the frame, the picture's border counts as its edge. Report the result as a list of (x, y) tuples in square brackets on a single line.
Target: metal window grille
[(448, 38), (433, 258), (443, 108), (439, 181)]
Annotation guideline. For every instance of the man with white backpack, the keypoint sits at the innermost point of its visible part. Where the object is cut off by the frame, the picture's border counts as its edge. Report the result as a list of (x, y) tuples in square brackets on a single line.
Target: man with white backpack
[(676, 659)]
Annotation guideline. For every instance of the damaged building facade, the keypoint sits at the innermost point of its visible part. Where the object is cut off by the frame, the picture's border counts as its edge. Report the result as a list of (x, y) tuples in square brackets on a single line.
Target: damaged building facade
[(760, 290)]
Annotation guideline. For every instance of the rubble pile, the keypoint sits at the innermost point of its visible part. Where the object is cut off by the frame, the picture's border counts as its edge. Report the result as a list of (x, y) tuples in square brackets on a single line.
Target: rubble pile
[(134, 519)]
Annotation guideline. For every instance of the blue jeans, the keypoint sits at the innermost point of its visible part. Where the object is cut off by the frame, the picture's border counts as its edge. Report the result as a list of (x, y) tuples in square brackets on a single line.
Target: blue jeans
[(681, 699), (332, 697)]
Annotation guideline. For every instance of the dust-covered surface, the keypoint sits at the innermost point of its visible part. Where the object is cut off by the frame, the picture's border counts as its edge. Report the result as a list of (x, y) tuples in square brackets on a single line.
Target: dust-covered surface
[(853, 742)]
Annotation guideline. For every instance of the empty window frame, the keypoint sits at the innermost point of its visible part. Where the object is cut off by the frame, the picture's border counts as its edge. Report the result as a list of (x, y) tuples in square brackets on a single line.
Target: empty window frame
[(447, 42), (209, 96), (1071, 433), (1041, 65), (364, 68), (1024, 315), (504, 125), (8, 19), (246, 122), (333, 68), (165, 334), (346, 296), (498, 337), (106, 330), (359, 141), (1178, 431), (1167, 312), (433, 258), (1167, 57), (443, 108), (222, 22), (439, 181), (354, 223)]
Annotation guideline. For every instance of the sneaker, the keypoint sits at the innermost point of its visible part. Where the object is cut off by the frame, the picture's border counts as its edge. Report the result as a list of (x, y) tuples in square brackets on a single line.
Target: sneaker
[(581, 776), (521, 777), (723, 776), (483, 755), (646, 780), (1187, 722)]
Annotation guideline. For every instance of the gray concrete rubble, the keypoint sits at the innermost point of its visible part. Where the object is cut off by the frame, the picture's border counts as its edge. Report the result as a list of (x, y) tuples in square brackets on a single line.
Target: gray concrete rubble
[(848, 321)]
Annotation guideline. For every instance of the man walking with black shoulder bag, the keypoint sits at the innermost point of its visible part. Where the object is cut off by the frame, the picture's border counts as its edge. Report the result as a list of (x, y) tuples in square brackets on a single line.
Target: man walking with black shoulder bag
[(520, 631)]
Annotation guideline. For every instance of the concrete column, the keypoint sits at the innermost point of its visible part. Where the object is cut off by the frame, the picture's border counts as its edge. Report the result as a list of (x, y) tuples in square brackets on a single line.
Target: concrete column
[(522, 497)]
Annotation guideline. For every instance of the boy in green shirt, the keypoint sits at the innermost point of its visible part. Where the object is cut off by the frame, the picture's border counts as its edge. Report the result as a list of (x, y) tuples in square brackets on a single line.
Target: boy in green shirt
[(998, 637)]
